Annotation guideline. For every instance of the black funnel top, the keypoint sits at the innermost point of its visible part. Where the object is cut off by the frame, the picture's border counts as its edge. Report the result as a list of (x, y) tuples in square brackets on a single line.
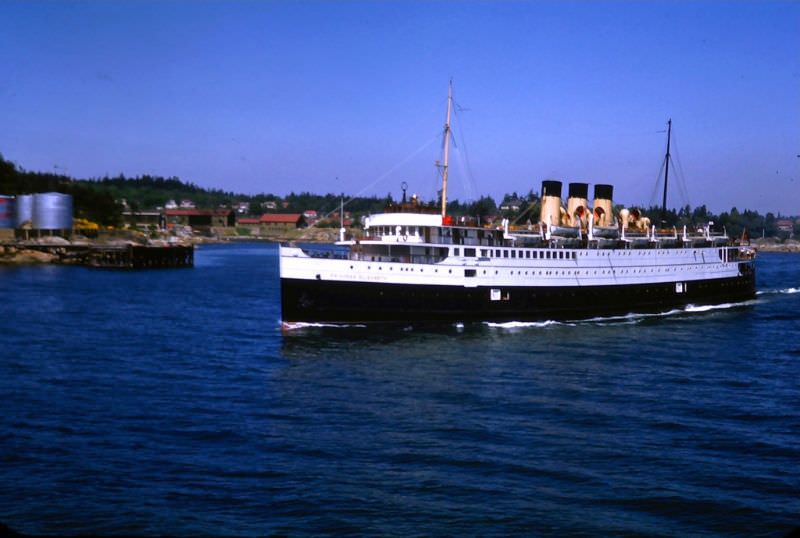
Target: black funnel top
[(578, 190), (604, 192), (551, 188)]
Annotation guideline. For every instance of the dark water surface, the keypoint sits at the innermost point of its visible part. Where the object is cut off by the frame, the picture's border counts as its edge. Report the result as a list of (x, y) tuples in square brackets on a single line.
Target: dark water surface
[(168, 402)]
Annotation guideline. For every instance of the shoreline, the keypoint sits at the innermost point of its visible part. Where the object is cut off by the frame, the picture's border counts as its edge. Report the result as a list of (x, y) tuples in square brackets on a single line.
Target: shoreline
[(774, 245), (60, 251), (57, 250)]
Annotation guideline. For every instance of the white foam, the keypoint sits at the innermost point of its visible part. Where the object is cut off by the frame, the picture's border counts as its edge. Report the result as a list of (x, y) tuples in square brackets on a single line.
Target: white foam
[(525, 324), (633, 316), (787, 291), (709, 307), (293, 326), (626, 319)]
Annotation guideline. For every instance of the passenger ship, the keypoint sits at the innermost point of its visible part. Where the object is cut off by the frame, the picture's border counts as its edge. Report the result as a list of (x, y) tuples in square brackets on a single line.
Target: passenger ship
[(414, 265)]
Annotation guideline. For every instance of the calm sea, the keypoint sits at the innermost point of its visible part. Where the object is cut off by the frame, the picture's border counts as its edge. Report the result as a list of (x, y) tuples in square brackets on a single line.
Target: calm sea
[(168, 402)]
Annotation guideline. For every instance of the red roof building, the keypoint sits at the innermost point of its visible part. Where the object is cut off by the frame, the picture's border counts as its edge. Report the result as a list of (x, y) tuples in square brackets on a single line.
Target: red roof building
[(284, 220)]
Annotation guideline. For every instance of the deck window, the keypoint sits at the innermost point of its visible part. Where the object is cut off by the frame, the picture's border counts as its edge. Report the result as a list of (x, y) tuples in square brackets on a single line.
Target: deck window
[(469, 252)]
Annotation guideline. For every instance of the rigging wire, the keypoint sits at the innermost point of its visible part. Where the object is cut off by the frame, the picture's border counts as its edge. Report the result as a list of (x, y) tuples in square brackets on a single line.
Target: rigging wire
[(468, 182), (527, 210), (657, 187), (382, 176), (684, 192)]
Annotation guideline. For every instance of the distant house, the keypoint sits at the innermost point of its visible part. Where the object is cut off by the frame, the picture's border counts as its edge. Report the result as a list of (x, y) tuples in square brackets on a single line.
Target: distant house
[(187, 204), (334, 218), (784, 225), (283, 220), (243, 208), (143, 219), (310, 214), (511, 205), (269, 205), (200, 217), (170, 205)]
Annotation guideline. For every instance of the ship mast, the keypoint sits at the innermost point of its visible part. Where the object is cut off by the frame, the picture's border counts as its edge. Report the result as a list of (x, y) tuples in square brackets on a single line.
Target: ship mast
[(666, 174), (446, 148)]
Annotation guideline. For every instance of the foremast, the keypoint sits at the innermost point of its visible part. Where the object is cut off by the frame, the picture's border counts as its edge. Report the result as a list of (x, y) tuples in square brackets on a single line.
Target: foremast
[(444, 165)]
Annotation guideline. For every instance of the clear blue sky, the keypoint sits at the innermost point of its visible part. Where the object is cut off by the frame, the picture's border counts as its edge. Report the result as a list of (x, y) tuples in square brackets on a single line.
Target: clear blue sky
[(340, 96)]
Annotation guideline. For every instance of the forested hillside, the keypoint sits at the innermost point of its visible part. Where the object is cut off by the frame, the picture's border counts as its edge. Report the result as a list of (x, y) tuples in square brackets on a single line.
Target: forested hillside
[(101, 201)]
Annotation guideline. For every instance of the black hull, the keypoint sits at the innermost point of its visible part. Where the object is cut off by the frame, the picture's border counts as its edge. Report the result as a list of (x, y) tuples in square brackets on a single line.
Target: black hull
[(349, 302)]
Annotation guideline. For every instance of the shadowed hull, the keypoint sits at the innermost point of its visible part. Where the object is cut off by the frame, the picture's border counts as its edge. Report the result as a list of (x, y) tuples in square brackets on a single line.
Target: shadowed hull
[(351, 302)]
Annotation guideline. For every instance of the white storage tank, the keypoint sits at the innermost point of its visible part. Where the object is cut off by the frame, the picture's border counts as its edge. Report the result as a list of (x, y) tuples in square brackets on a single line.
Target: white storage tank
[(6, 211), (24, 210), (52, 211)]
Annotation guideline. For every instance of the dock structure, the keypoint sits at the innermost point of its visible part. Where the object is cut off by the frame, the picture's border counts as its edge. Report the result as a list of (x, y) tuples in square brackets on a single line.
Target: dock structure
[(140, 257), (126, 256)]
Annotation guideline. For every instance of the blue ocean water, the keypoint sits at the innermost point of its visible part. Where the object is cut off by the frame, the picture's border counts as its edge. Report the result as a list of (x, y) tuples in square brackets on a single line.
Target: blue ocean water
[(169, 402)]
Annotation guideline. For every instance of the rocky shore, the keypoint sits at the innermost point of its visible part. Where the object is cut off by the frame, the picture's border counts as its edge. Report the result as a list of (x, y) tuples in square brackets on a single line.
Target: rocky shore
[(44, 250), (12, 255), (773, 244)]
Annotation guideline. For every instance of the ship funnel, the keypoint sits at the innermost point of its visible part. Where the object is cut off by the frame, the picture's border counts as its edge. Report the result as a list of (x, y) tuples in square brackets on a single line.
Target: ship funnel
[(551, 202), (603, 205), (577, 203)]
